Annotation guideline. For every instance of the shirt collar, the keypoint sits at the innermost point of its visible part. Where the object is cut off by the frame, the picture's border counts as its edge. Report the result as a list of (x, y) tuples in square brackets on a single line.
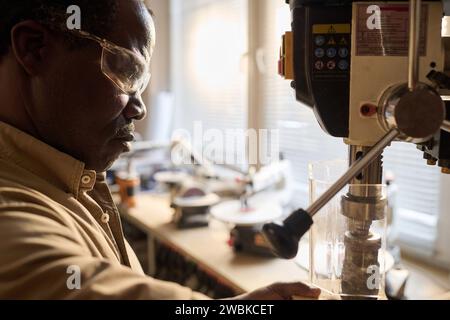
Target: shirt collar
[(59, 169)]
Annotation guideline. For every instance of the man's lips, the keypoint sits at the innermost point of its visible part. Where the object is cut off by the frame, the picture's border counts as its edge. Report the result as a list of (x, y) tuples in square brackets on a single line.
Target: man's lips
[(127, 138)]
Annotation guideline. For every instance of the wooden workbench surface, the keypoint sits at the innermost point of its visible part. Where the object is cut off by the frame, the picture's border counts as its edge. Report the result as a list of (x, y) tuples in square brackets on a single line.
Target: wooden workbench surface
[(208, 247)]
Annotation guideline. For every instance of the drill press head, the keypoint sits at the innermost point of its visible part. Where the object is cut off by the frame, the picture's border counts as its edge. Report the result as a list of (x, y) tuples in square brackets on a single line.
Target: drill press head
[(348, 61)]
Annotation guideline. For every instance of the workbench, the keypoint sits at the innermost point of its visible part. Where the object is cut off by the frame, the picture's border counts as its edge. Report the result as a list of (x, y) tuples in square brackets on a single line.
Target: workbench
[(208, 248)]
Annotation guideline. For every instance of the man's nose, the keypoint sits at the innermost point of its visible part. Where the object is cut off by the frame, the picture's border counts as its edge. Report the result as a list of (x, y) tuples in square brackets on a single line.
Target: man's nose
[(135, 109)]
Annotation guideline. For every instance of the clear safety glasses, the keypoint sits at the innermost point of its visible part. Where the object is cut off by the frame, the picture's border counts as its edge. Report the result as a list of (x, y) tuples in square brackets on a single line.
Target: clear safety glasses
[(126, 69)]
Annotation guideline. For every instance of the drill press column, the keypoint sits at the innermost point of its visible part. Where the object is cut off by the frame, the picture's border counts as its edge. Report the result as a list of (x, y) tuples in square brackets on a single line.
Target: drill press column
[(362, 205)]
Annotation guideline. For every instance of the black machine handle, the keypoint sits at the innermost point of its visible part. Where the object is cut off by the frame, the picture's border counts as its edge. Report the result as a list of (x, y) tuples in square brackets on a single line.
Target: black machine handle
[(284, 239)]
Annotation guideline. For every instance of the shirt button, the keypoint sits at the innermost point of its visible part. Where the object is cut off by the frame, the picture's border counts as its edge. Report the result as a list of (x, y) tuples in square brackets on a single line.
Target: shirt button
[(86, 179), (105, 218)]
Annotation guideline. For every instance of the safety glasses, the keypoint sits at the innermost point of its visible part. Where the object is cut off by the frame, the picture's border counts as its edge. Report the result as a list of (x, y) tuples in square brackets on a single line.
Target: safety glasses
[(126, 69)]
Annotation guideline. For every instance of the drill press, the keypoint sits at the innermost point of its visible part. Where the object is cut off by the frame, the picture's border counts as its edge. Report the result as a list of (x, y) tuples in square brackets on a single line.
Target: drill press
[(373, 72)]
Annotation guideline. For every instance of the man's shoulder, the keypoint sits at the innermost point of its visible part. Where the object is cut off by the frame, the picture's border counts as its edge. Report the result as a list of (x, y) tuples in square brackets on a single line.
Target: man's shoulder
[(16, 197), (23, 208), (11, 191)]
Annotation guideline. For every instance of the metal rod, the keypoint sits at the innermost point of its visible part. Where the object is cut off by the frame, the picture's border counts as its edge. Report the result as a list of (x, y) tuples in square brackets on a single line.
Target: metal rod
[(354, 170), (446, 126), (204, 161), (415, 18)]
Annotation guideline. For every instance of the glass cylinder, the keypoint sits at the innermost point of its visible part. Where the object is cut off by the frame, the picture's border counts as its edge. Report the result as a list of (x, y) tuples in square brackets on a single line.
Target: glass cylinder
[(347, 240)]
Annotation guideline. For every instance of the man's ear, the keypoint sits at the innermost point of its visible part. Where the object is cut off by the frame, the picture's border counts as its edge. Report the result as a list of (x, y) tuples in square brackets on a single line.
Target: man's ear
[(30, 43)]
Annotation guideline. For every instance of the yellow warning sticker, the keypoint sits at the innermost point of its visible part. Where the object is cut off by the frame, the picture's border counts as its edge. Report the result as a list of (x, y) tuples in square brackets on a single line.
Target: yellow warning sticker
[(331, 28)]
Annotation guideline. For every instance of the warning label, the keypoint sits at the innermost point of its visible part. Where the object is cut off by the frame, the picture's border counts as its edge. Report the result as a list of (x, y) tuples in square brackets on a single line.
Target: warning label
[(331, 28), (384, 30)]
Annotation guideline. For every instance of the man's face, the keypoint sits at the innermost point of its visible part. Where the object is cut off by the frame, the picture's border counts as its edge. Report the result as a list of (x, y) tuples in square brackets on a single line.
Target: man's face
[(77, 109)]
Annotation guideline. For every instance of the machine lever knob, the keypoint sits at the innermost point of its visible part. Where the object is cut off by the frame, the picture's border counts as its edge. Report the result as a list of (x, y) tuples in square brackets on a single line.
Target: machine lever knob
[(284, 238)]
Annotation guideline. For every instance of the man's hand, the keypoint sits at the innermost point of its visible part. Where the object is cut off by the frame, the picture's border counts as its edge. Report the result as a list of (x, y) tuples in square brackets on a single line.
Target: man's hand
[(282, 291)]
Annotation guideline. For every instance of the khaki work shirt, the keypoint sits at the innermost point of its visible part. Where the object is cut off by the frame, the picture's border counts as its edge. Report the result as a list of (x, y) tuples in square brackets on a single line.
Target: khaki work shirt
[(56, 219)]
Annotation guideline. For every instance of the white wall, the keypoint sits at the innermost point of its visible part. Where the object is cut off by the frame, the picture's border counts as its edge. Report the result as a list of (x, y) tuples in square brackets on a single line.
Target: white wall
[(160, 66)]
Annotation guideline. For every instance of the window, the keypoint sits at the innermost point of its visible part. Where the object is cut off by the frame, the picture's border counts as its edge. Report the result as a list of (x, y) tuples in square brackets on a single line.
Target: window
[(302, 139), (422, 204), (210, 44)]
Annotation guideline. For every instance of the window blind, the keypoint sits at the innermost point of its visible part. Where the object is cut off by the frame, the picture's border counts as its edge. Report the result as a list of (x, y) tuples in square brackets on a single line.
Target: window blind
[(210, 42)]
